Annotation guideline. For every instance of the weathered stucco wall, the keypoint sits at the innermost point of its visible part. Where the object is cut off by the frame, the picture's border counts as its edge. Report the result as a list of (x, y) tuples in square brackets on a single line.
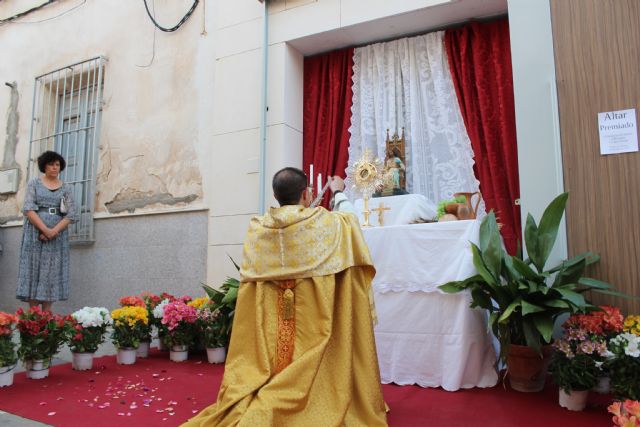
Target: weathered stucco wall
[(153, 152), (154, 253)]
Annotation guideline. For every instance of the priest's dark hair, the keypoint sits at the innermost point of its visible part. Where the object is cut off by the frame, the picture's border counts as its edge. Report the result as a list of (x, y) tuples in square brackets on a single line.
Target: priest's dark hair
[(288, 185), (49, 157)]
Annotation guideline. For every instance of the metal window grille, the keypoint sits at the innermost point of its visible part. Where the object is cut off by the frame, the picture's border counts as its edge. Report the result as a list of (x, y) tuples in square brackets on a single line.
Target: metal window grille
[(67, 109)]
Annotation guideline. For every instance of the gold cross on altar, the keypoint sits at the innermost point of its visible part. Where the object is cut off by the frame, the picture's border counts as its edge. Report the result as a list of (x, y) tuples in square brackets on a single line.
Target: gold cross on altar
[(380, 209)]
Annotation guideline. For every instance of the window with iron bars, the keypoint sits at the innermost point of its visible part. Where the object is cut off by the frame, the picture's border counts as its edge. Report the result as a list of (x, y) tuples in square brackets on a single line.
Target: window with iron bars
[(67, 110)]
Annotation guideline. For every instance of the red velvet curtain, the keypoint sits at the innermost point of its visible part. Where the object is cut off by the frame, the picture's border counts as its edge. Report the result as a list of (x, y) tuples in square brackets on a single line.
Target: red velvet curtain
[(480, 61), (327, 113)]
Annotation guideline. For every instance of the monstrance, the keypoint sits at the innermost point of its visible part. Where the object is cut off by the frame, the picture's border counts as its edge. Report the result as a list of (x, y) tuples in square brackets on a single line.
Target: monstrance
[(368, 175)]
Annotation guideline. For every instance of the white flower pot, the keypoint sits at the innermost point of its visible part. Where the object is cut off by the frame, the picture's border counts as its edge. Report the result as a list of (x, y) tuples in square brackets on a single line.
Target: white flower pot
[(37, 369), (143, 349), (126, 356), (179, 353), (82, 361), (603, 386), (216, 355), (574, 401), (6, 376), (161, 345)]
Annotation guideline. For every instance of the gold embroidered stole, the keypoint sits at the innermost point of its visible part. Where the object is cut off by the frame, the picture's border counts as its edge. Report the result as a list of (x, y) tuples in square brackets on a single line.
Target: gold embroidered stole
[(286, 324)]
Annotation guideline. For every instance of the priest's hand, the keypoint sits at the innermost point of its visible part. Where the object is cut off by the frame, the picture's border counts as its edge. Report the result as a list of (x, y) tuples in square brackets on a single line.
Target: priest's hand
[(337, 184)]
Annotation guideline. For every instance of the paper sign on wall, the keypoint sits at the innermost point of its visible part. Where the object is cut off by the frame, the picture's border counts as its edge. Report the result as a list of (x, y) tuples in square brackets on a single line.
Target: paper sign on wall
[(618, 131)]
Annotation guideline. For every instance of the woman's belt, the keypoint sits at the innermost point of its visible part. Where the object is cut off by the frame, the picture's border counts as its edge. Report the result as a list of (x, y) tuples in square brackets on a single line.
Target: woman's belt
[(51, 211)]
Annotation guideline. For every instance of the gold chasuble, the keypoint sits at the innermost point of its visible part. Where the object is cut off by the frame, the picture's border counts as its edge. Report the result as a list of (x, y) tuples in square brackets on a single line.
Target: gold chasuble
[(302, 350)]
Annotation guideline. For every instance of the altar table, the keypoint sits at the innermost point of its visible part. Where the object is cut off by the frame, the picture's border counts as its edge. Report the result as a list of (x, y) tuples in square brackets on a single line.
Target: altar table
[(424, 336), (405, 209)]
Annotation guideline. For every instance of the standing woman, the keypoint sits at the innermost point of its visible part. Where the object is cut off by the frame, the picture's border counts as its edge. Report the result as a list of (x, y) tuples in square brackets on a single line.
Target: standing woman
[(49, 208)]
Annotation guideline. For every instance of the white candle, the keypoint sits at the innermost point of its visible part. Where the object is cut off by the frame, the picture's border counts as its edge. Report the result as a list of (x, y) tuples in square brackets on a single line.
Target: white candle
[(311, 175), (319, 183)]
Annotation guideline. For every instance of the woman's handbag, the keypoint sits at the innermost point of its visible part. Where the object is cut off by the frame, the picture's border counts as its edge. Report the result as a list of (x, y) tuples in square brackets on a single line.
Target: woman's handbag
[(63, 206)]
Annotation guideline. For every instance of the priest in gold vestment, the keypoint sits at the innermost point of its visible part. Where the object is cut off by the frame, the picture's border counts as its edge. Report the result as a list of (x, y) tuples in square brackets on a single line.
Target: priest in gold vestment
[(302, 350)]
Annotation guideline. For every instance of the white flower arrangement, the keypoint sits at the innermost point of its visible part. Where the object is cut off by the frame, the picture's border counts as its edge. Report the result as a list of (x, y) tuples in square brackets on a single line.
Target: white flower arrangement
[(158, 311), (629, 342), (92, 316)]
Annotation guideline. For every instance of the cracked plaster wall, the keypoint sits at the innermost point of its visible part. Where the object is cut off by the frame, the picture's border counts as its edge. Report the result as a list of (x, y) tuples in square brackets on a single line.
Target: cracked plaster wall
[(153, 151)]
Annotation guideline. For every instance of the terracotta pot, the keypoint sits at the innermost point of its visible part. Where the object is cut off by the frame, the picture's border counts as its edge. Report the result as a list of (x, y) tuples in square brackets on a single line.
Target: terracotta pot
[(465, 213), (527, 370), (452, 208), (574, 401), (471, 212)]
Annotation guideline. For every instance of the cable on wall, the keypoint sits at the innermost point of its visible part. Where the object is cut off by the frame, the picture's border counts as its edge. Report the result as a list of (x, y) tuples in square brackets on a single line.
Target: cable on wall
[(178, 25)]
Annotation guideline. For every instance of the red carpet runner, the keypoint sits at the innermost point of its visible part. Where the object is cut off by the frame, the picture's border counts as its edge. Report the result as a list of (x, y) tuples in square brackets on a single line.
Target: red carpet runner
[(158, 392)]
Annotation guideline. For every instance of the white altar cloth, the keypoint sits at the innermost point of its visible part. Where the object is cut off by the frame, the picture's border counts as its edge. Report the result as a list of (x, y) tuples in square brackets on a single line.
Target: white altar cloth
[(405, 209), (424, 336)]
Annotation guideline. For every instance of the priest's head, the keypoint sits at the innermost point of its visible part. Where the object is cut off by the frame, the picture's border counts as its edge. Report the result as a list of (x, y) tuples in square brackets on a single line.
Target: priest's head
[(290, 187)]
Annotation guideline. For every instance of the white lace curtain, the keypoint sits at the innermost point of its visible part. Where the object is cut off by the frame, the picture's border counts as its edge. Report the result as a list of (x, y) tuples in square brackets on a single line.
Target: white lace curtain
[(406, 83)]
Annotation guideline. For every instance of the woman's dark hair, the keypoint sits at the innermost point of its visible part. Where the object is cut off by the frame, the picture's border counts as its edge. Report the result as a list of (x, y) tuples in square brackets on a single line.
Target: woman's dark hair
[(288, 185), (50, 157)]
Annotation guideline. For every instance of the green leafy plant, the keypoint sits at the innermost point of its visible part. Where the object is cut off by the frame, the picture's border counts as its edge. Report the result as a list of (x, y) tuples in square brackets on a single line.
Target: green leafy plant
[(214, 327), (8, 356), (624, 369), (577, 373), (523, 298), (443, 203), (224, 301)]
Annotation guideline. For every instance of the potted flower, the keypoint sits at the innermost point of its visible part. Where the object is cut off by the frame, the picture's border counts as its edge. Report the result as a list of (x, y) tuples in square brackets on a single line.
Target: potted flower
[(89, 327), (151, 301), (145, 342), (158, 314), (129, 327), (575, 363), (600, 326), (218, 321), (624, 369), (213, 328), (625, 414), (179, 319), (199, 304), (8, 356), (41, 336), (523, 297)]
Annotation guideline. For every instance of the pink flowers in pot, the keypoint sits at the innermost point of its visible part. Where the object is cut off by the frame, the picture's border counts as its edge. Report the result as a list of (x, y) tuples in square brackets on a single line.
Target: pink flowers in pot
[(179, 319)]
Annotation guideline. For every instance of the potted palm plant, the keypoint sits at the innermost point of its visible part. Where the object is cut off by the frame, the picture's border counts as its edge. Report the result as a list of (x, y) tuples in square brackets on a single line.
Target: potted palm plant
[(523, 298)]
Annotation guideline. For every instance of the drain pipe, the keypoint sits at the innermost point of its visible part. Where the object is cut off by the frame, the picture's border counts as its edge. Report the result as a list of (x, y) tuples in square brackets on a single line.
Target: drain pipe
[(263, 123)]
